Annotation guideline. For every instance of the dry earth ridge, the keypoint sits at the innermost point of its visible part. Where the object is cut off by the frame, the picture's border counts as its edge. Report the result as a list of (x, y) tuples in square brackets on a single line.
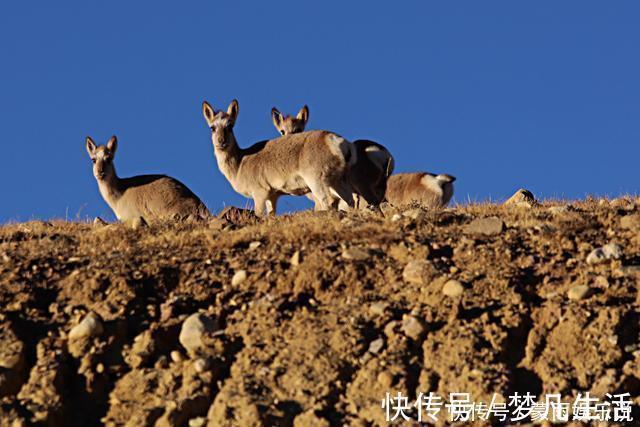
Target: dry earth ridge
[(308, 319)]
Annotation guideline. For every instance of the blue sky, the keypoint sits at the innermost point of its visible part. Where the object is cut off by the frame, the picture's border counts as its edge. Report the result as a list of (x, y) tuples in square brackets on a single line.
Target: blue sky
[(501, 94)]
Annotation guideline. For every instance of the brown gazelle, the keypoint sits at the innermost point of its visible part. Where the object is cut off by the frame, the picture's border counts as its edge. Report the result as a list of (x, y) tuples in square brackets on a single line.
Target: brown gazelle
[(152, 197), (374, 163), (428, 190), (287, 124), (314, 162)]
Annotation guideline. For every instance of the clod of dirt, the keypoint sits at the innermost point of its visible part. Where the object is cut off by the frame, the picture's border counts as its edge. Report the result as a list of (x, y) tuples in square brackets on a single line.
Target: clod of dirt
[(453, 288), (630, 222), (417, 272), (11, 350), (355, 254), (239, 277), (485, 226), (579, 292), (522, 198), (413, 327), (309, 418), (142, 349), (605, 253), (193, 332)]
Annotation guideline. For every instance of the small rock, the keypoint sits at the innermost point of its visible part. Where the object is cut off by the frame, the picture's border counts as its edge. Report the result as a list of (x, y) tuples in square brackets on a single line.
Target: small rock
[(396, 217), (413, 327), (378, 308), (579, 292), (239, 277), (198, 422), (194, 328), (176, 356), (453, 288), (521, 198), (414, 271), (99, 222), (414, 214), (99, 368), (90, 326), (201, 365), (139, 223), (254, 245), (486, 226), (355, 254), (376, 345), (295, 259), (385, 379), (605, 253)]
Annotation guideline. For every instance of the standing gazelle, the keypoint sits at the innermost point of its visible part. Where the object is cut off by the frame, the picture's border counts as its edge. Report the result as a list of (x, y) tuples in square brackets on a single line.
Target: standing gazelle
[(151, 197), (374, 163), (314, 162)]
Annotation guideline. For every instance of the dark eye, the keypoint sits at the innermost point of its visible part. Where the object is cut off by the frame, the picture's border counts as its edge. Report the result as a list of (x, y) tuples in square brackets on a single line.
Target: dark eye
[(282, 132), (213, 128), (93, 161)]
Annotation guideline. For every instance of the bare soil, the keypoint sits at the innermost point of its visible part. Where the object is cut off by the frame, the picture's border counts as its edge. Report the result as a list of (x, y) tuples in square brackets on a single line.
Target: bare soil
[(293, 342)]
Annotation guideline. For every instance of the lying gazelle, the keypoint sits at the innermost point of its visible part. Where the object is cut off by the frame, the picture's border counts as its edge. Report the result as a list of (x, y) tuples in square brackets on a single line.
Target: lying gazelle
[(152, 197), (371, 175), (314, 162), (428, 190), (374, 163)]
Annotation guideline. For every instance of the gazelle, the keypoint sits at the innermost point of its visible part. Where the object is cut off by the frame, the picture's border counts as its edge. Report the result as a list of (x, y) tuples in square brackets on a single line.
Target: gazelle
[(374, 163), (314, 162), (288, 124), (151, 197), (427, 189)]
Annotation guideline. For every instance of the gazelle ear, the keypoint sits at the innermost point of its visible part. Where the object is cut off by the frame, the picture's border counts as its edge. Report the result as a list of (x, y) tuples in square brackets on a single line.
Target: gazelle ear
[(208, 112), (276, 116), (233, 109), (112, 145), (303, 114), (91, 146)]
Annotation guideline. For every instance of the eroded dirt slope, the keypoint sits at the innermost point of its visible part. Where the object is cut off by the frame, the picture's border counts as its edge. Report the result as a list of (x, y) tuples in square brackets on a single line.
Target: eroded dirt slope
[(309, 319)]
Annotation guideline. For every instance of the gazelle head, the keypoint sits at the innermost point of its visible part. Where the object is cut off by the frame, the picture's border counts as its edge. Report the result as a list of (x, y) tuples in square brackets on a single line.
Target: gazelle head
[(221, 125), (287, 124), (102, 158)]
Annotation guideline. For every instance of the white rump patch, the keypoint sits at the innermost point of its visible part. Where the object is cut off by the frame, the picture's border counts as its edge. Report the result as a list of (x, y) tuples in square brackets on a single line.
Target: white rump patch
[(379, 157)]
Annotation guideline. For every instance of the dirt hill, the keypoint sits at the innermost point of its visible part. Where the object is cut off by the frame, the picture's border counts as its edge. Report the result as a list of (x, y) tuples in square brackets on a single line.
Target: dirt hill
[(310, 319)]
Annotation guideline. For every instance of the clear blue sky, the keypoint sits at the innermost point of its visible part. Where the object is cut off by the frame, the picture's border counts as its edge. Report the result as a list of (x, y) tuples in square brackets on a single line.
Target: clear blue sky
[(502, 94)]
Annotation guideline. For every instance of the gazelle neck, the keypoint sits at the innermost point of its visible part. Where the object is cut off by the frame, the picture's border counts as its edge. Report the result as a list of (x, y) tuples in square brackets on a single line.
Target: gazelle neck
[(229, 160), (111, 189)]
